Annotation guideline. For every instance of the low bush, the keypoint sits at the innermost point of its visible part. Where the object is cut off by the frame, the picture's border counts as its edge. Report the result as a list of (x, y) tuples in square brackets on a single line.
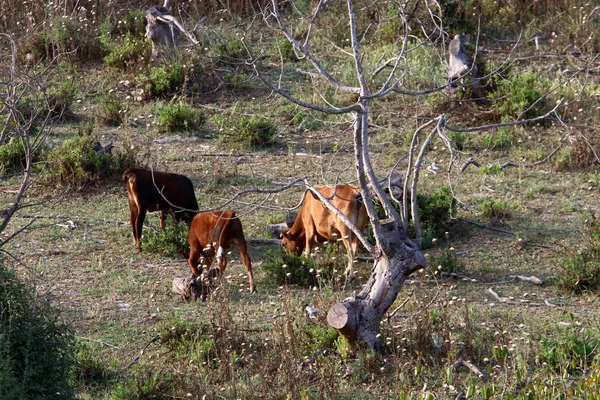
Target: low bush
[(180, 117), (111, 111), (76, 162), (36, 349), (12, 155), (131, 55), (247, 132), (519, 97), (168, 242), (495, 210), (291, 269), (162, 81), (436, 213), (579, 266)]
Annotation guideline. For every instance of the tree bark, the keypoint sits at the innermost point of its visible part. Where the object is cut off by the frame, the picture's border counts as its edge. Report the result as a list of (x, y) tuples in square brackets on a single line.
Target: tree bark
[(358, 318)]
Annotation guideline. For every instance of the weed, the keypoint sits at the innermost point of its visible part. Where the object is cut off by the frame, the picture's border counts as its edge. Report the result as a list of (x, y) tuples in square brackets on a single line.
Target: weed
[(111, 111), (132, 55), (519, 96), (445, 261), (162, 81), (180, 117), (168, 242), (291, 269), (36, 350), (495, 210), (247, 132), (12, 154), (573, 352), (579, 266), (461, 140), (89, 369), (75, 162), (436, 213), (501, 140)]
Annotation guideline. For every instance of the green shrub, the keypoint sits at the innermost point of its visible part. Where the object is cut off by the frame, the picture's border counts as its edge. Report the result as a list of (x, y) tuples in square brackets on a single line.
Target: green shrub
[(12, 154), (180, 117), (518, 97), (573, 353), (89, 369), (131, 55), (579, 266), (75, 162), (291, 269), (247, 132), (60, 101), (111, 111), (168, 242), (499, 140), (495, 209), (436, 212), (162, 81), (36, 350)]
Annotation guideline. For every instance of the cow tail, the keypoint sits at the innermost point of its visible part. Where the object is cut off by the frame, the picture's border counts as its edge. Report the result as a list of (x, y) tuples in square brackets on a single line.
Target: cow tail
[(128, 175)]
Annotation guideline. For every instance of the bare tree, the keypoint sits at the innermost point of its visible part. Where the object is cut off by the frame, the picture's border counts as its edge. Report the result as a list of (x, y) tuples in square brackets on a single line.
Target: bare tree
[(164, 29), (25, 115), (397, 254)]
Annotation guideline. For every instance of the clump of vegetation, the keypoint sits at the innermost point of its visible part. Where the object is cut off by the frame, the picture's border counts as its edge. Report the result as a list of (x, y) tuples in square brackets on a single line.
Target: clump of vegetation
[(436, 212), (580, 263), (131, 55), (36, 350), (111, 111), (247, 132), (519, 97), (89, 370), (180, 117), (168, 242), (162, 81), (76, 162), (495, 210), (12, 154), (291, 269), (582, 151), (574, 352)]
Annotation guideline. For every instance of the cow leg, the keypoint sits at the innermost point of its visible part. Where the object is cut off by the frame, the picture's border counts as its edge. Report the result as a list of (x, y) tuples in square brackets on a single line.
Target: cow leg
[(350, 251), (139, 225), (162, 219), (243, 249), (193, 260), (133, 211)]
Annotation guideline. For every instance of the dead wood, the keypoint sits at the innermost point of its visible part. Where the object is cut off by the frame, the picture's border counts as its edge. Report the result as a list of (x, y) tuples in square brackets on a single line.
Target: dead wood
[(464, 363), (507, 300), (154, 339), (470, 161)]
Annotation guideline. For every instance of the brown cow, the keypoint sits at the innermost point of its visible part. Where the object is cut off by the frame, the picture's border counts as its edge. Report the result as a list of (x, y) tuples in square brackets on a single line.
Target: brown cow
[(143, 188), (316, 223), (213, 232)]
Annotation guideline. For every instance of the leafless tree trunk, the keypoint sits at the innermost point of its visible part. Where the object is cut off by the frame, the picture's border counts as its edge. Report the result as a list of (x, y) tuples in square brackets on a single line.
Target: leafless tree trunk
[(164, 30), (25, 116)]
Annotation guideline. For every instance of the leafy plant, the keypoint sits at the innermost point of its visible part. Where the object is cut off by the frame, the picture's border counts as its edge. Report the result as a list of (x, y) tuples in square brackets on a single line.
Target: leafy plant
[(35, 348), (180, 117), (519, 96), (111, 111), (168, 242), (162, 81), (571, 352), (132, 54), (436, 212), (12, 153), (247, 132), (580, 263), (76, 162), (495, 209), (291, 269)]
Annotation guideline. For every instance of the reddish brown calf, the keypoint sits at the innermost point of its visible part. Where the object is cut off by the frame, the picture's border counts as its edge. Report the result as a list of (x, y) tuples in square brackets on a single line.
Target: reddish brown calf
[(158, 191), (211, 234)]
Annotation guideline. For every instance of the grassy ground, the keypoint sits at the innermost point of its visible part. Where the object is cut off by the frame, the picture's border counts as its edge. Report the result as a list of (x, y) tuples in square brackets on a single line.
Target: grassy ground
[(138, 340)]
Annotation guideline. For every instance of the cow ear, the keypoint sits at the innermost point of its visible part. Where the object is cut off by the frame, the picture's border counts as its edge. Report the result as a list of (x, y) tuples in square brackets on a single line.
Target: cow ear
[(284, 234)]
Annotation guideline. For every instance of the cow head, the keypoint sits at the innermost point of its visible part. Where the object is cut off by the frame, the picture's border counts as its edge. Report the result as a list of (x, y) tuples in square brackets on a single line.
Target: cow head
[(292, 244)]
